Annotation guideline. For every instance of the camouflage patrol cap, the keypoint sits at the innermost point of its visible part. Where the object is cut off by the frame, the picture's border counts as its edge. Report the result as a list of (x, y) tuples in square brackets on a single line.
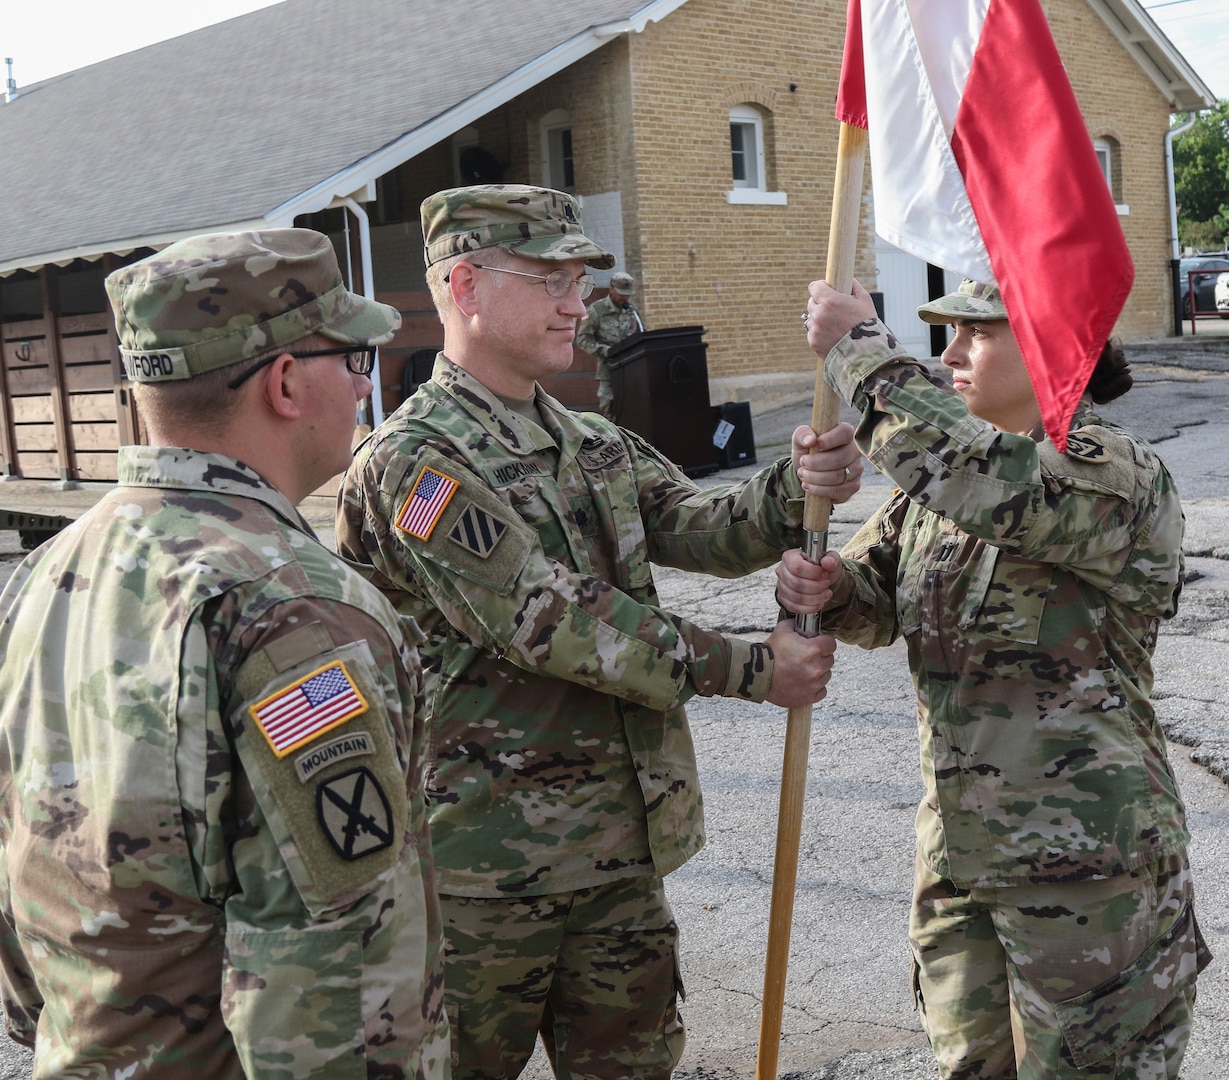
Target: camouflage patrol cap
[(623, 282), (973, 300), (539, 223), (213, 300)]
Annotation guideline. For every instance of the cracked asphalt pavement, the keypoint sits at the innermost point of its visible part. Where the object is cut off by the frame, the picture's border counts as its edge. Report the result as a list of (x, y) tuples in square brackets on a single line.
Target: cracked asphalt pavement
[(847, 1004)]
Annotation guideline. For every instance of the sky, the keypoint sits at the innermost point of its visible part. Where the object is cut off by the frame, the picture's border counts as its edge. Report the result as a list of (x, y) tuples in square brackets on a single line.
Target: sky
[(1199, 30), (43, 40)]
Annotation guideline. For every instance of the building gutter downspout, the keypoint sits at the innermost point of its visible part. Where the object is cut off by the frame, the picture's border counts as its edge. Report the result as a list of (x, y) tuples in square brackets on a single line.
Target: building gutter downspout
[(369, 291), (1174, 253)]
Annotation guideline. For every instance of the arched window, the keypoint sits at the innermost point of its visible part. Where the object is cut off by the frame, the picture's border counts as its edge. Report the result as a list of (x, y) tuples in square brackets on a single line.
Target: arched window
[(1109, 155), (747, 147), (749, 157)]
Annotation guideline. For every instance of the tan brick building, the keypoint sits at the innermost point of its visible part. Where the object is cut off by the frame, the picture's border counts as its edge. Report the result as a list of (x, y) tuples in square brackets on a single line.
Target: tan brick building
[(698, 134), (650, 114)]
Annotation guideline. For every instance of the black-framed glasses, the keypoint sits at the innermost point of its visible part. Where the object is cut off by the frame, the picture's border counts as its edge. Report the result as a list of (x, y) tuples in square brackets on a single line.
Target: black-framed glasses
[(557, 282), (360, 359)]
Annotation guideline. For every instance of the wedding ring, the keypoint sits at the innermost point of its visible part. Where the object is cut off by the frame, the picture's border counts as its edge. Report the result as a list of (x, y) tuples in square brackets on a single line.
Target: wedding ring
[(806, 320), (846, 480)]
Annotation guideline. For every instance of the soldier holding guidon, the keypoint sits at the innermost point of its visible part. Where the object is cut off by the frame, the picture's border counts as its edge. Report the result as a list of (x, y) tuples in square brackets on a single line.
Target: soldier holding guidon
[(215, 851), (562, 777), (1053, 926)]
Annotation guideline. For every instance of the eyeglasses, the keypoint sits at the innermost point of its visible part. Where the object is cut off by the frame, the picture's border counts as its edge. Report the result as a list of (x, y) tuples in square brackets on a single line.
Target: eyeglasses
[(360, 359), (557, 283)]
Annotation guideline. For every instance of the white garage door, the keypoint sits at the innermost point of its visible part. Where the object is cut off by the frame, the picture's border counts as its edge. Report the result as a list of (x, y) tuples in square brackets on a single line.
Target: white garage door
[(902, 280)]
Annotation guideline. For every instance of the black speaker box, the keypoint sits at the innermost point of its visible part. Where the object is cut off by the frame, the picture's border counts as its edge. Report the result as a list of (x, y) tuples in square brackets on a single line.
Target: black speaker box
[(737, 446)]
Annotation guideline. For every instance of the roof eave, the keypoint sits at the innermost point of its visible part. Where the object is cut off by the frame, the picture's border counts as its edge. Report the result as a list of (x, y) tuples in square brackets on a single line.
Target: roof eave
[(422, 138), (1152, 50), (121, 246)]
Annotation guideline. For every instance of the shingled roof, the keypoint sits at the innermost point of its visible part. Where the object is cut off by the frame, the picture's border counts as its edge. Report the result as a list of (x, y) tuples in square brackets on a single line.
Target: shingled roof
[(273, 114), (268, 115)]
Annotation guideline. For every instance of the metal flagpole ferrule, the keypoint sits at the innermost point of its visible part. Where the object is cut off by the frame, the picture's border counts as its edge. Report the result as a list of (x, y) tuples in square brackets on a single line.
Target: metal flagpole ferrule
[(814, 544)]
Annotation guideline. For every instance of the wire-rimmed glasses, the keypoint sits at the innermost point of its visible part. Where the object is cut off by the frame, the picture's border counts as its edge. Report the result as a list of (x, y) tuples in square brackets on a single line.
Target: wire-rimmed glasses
[(557, 282)]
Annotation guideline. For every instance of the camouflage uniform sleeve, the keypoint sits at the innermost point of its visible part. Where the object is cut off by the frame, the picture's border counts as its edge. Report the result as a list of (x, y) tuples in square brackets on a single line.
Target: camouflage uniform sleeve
[(586, 338), (520, 603), (862, 610), (324, 870), (727, 531), (1084, 509)]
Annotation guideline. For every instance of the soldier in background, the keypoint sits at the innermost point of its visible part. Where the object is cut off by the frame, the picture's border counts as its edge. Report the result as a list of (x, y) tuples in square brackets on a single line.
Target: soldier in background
[(562, 778), (1053, 928), (215, 850), (607, 322)]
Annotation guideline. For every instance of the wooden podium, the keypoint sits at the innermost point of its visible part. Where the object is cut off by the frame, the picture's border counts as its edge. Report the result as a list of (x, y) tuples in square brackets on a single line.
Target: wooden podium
[(660, 383)]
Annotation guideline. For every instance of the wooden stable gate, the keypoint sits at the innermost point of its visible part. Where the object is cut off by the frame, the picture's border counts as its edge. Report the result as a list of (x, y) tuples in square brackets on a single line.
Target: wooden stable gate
[(65, 408)]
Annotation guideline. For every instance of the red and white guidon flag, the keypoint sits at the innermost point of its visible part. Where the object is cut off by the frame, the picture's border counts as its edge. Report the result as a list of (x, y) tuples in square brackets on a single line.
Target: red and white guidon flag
[(306, 709), (982, 164)]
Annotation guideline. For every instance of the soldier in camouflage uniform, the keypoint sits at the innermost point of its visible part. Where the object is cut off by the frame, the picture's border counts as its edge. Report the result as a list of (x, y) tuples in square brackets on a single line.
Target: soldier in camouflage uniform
[(215, 851), (1053, 928), (562, 780), (607, 322)]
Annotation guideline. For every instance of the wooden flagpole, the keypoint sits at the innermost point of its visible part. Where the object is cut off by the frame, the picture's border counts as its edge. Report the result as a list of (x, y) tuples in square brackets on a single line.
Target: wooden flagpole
[(842, 249)]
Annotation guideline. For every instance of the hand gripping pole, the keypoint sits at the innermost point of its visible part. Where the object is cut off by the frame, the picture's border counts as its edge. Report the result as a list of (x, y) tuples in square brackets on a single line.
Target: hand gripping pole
[(842, 249)]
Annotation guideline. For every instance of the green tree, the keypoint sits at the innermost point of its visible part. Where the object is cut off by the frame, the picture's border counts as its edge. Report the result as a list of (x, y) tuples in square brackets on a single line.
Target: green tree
[(1201, 179)]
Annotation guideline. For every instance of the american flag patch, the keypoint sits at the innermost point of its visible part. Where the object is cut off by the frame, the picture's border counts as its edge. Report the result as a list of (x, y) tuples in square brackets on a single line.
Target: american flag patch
[(317, 703), (426, 503)]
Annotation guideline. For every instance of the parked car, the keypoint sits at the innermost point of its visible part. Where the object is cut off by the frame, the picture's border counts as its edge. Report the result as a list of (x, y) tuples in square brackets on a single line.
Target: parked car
[(1222, 295), (1205, 284)]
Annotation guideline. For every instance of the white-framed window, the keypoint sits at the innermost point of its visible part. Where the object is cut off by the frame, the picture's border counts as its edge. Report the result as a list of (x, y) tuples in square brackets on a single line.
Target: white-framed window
[(747, 147), (1105, 158), (748, 168), (1109, 158), (558, 170)]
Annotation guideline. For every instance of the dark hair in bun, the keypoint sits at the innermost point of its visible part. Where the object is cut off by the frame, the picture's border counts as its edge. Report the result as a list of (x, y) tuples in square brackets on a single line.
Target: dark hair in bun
[(1111, 378)]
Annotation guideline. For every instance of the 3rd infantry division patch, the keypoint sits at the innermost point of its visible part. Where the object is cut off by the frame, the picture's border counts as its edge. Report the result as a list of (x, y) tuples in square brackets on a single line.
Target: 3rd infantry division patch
[(477, 531)]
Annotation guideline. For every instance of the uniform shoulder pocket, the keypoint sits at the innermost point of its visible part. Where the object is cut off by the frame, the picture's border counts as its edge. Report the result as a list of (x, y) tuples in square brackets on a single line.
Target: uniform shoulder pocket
[(314, 736), (443, 513), (1099, 460)]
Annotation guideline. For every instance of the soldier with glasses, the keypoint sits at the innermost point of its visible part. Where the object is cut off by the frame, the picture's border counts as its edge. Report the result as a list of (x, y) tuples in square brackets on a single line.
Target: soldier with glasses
[(215, 859), (562, 779)]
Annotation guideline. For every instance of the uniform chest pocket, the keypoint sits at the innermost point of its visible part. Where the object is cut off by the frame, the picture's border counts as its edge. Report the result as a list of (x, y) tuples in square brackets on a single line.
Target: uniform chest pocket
[(567, 531), (909, 588), (527, 500), (1007, 596)]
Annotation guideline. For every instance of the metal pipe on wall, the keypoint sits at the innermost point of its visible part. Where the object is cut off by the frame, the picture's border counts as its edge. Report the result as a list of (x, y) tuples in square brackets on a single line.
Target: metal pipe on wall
[(369, 291)]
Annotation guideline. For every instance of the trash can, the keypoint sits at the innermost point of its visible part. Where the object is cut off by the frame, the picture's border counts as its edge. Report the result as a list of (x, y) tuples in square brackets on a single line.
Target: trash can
[(660, 384)]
